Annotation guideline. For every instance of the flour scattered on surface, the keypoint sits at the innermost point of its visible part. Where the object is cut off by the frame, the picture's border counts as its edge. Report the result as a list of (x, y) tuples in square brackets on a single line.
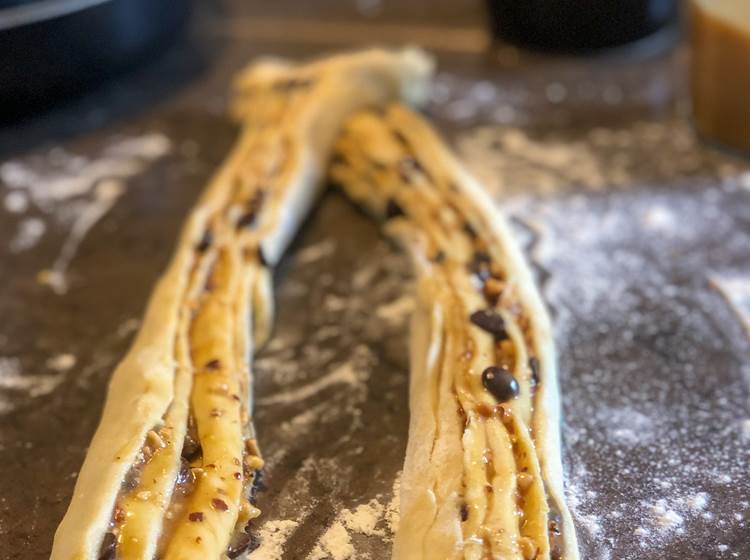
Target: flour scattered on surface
[(398, 310), (666, 518), (61, 362), (345, 373), (316, 252), (17, 386), (314, 398), (335, 544), (28, 234), (16, 202), (365, 518), (272, 536), (71, 191)]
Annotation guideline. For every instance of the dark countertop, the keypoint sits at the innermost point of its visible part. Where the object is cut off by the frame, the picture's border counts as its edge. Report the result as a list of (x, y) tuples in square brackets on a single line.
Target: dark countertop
[(639, 232)]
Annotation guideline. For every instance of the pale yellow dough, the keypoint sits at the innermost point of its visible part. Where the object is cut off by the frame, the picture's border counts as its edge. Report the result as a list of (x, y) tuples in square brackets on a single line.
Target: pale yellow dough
[(291, 116), (477, 483)]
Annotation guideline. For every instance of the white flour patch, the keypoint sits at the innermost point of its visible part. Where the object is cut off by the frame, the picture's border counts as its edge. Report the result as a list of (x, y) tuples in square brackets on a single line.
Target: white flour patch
[(61, 362), (665, 518), (373, 519), (16, 202), (364, 519), (128, 327), (316, 252), (28, 234), (14, 383), (272, 536), (398, 310), (345, 373), (73, 191), (106, 194), (335, 544)]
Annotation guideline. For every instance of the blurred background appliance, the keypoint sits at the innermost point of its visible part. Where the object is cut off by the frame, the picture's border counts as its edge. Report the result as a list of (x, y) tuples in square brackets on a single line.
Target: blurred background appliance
[(50, 49), (578, 25)]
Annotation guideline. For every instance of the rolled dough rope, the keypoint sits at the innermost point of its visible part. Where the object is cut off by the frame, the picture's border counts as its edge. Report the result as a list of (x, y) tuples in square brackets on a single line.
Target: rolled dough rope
[(482, 475), (180, 399)]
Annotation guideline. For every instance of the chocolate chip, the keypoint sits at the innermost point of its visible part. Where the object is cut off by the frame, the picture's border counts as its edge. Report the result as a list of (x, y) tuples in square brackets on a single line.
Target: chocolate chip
[(108, 549), (501, 383), (464, 512), (534, 367), (205, 242), (470, 231), (246, 220), (213, 364), (392, 209), (191, 447), (219, 504), (185, 476), (196, 516), (491, 322), (439, 257), (252, 209)]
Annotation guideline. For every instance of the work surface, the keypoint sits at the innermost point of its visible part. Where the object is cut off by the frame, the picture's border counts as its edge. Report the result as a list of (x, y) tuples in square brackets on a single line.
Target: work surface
[(639, 234)]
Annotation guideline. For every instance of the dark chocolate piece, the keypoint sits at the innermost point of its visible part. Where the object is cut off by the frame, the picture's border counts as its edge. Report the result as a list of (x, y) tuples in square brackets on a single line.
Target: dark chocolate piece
[(534, 367), (108, 549), (185, 476), (500, 383), (205, 242), (252, 209), (392, 209), (191, 447), (491, 322)]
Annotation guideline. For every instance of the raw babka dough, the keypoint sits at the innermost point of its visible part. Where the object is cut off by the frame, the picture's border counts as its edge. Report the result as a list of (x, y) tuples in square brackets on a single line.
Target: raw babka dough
[(170, 471), (482, 476)]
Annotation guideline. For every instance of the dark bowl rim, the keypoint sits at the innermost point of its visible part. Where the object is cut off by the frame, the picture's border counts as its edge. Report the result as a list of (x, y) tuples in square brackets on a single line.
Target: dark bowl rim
[(44, 10)]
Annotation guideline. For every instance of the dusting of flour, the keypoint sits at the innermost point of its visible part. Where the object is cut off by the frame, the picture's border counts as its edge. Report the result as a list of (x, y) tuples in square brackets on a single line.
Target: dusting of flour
[(71, 191)]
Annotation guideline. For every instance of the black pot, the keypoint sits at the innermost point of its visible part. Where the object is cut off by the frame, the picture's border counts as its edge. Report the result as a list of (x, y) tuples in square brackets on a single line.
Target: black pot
[(51, 49), (578, 25)]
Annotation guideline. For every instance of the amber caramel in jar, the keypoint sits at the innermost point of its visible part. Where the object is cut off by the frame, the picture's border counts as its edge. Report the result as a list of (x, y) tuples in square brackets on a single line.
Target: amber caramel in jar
[(720, 71)]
